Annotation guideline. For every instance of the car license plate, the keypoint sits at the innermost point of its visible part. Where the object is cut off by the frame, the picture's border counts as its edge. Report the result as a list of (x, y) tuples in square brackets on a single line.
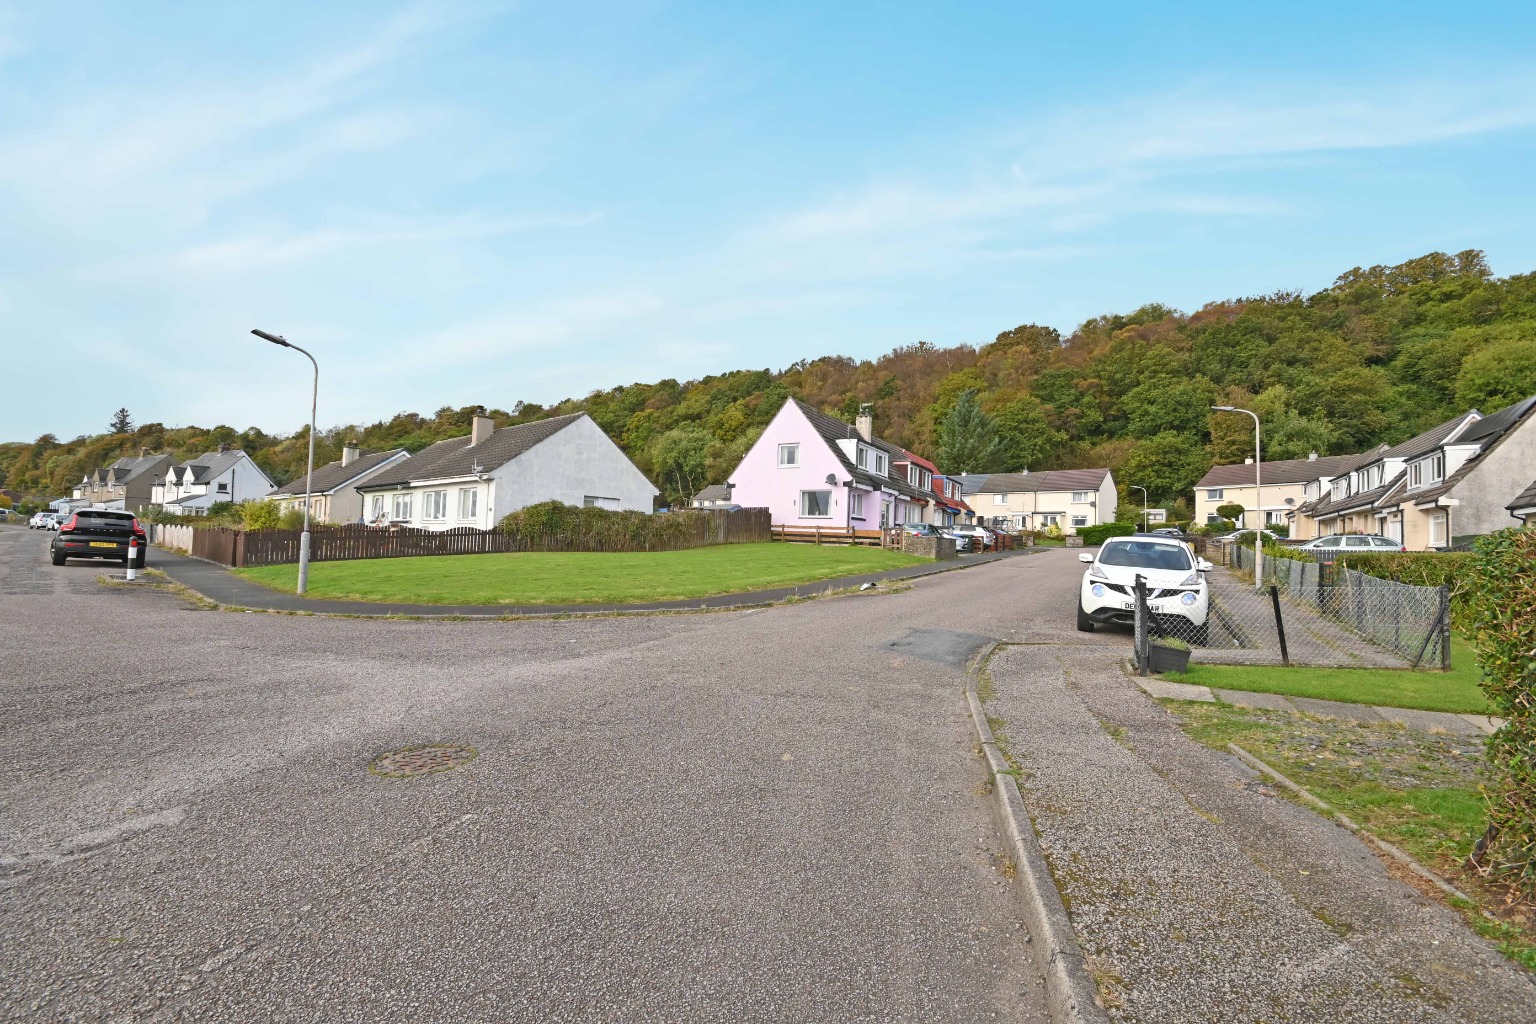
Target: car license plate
[(102, 544), (1128, 605)]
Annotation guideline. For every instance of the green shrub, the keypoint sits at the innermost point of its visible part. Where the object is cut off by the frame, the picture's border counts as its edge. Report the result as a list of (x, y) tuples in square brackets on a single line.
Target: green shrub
[(1422, 569), (261, 515), (1501, 596), (291, 519), (1232, 510), (560, 526), (1099, 534)]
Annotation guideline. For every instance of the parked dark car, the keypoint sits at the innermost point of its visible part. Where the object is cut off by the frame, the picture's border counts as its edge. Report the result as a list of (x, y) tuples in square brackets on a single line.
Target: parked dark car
[(99, 533)]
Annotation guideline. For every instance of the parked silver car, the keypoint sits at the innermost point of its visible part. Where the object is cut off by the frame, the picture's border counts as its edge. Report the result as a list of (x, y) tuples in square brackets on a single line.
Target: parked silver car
[(1359, 543)]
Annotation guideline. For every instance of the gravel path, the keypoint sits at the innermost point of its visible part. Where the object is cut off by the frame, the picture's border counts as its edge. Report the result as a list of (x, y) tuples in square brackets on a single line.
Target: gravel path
[(772, 815), (1201, 896)]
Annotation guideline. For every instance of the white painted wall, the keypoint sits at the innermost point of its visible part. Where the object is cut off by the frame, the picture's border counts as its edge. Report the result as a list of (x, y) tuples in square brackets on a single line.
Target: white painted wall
[(577, 461)]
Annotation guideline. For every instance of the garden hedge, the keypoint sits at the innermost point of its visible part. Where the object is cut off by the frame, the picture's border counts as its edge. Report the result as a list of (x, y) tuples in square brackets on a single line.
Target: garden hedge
[(1501, 595), (1093, 535)]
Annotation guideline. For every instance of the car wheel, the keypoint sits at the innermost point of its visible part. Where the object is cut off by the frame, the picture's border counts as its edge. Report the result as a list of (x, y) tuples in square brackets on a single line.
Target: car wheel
[(59, 558), (1084, 623), (142, 561)]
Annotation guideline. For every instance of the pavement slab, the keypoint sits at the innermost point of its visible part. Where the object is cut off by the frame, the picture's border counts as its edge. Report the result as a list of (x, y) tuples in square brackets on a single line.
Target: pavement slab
[(1338, 709), (1430, 721), (1247, 699), (1174, 691), (1199, 894)]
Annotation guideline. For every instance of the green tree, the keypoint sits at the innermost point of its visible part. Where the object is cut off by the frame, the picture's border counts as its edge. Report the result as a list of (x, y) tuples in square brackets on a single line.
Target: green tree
[(968, 441), (1498, 374), (1231, 510), (121, 423), (1167, 464), (260, 515), (1161, 404), (1026, 436), (681, 459)]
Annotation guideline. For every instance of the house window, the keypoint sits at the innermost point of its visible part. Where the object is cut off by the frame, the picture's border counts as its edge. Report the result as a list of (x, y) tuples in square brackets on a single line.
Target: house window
[(816, 504), (861, 457), (593, 501), (1437, 467), (856, 504), (1437, 530), (434, 505), (1079, 521), (378, 507), (223, 488), (402, 507), (1048, 521), (882, 464), (1215, 494), (789, 455), (469, 501), (1081, 497), (999, 499)]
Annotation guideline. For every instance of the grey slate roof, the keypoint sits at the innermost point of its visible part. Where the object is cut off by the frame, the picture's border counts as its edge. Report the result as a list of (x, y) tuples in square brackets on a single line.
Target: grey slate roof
[(833, 430), (714, 492), (456, 457), (1043, 480), (1490, 432), (1425, 442), (1286, 471), (125, 469), (1525, 499), (334, 475)]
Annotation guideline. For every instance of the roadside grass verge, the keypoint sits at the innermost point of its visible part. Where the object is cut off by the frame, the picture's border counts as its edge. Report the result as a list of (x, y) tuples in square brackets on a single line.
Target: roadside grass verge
[(533, 578), (1457, 690), (1415, 790)]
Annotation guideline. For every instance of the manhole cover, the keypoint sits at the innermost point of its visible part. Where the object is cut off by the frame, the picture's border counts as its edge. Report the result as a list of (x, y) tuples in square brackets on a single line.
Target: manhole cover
[(423, 760)]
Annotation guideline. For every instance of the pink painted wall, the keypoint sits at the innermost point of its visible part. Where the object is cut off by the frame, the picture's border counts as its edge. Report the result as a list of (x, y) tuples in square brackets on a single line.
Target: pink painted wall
[(759, 482)]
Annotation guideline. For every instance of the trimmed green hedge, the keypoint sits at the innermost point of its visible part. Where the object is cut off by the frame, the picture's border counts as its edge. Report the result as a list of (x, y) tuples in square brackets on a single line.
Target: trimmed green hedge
[(1501, 596), (1093, 535), (1452, 570)]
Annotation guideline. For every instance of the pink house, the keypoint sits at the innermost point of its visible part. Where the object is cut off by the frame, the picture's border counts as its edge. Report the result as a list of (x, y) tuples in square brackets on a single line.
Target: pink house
[(811, 469)]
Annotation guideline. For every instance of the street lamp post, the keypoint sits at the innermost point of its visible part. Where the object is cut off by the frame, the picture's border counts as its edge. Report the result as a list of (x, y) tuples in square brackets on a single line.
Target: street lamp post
[(309, 475), (1144, 502), (1258, 493)]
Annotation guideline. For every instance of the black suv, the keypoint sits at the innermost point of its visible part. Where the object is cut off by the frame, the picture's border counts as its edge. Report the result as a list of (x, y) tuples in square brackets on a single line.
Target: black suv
[(99, 533)]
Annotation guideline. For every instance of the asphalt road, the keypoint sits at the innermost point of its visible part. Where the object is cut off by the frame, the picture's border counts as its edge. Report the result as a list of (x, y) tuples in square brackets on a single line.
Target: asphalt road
[(740, 816)]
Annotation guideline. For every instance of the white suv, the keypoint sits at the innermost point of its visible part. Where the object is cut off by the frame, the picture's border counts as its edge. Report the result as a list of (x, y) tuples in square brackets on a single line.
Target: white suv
[(1177, 593)]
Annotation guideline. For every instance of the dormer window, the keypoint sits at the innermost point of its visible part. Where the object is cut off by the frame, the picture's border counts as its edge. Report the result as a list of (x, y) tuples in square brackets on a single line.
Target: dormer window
[(861, 459), (1427, 471), (882, 464)]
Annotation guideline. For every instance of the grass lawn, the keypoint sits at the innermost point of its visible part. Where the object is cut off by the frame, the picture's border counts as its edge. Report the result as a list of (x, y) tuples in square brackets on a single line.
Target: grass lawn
[(579, 577), (1412, 789), (1456, 690)]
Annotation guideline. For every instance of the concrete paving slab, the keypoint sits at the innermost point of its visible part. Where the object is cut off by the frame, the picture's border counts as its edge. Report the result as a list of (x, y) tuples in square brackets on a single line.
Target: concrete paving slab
[(1486, 724), (1430, 721), (1175, 691), (1262, 701), (1337, 709)]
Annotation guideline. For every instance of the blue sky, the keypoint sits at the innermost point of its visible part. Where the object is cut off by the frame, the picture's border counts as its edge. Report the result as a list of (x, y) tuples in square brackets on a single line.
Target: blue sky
[(482, 202)]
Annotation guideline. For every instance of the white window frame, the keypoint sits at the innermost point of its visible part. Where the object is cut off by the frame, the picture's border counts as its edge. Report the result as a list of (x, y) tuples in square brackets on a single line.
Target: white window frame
[(1081, 497), (1437, 467), (402, 500), (812, 515), (1048, 520), (999, 499), (882, 464), (434, 506), (472, 495), (1215, 493), (1437, 537), (1079, 520), (377, 505), (861, 457), (789, 456), (856, 504)]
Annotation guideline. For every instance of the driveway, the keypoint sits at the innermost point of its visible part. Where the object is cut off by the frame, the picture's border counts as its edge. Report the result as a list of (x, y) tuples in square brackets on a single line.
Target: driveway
[(771, 815)]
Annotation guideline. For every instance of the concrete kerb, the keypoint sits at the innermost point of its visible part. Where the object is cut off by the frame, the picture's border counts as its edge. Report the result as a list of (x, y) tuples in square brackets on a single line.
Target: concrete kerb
[(1071, 995)]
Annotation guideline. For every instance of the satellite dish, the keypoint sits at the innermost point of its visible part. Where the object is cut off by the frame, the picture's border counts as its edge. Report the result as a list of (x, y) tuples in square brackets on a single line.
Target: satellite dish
[(832, 479)]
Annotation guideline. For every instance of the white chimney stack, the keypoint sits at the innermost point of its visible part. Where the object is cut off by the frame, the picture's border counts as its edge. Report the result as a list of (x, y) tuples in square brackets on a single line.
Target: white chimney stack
[(350, 453), (481, 428), (865, 424), (1248, 461), (1312, 456)]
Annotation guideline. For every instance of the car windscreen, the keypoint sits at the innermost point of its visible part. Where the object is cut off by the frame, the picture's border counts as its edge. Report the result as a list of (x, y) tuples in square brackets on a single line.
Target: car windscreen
[(1141, 555)]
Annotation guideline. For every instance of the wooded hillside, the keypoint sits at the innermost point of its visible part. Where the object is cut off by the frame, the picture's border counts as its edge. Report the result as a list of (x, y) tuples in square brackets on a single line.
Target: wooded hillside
[(1383, 353)]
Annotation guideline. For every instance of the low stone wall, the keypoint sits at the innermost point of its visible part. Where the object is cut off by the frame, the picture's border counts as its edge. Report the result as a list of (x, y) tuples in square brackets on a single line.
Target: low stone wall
[(937, 548)]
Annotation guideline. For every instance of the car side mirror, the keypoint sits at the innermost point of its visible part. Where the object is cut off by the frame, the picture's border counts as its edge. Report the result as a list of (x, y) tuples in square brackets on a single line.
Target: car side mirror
[(1203, 565), (1085, 557)]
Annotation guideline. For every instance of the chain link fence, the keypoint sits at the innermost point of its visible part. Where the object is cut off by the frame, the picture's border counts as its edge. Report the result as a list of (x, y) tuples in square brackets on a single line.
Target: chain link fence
[(1300, 613), (1333, 605)]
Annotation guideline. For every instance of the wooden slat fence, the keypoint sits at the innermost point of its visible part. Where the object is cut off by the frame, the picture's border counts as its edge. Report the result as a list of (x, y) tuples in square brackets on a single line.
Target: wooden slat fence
[(835, 535), (692, 529)]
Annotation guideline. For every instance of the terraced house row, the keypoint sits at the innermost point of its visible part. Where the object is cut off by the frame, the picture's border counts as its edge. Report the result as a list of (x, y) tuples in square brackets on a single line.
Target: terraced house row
[(1460, 479)]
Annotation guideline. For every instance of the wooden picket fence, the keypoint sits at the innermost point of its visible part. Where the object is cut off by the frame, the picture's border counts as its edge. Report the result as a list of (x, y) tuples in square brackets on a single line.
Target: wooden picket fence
[(836, 535), (244, 548)]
